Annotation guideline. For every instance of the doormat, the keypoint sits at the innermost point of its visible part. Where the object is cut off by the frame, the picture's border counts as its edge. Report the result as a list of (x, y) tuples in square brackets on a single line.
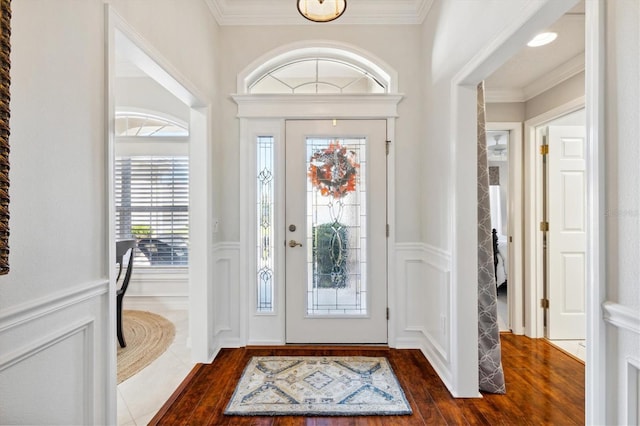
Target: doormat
[(318, 386)]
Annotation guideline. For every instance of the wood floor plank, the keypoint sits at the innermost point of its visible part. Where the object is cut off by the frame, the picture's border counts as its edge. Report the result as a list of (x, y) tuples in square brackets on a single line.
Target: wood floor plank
[(544, 386)]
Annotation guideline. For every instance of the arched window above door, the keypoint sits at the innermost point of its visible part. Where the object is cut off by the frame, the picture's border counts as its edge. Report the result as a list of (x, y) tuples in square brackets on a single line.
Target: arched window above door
[(318, 67), (317, 75)]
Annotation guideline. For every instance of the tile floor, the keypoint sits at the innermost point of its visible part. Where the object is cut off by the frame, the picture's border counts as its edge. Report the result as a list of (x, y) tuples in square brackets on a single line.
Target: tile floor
[(141, 396)]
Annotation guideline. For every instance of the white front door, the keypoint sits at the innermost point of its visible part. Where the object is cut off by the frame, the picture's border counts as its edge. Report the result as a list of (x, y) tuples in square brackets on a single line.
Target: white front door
[(336, 225), (566, 243)]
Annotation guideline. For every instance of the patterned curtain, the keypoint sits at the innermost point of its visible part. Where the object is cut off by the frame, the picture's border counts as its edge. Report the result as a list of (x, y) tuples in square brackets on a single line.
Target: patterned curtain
[(489, 349)]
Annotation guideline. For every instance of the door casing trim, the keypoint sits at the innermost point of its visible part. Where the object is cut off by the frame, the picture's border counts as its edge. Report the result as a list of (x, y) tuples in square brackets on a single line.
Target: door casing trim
[(534, 274), (260, 114)]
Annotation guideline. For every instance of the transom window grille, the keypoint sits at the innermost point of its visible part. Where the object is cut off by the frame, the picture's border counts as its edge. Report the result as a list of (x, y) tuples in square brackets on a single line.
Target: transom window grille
[(265, 224), (314, 76)]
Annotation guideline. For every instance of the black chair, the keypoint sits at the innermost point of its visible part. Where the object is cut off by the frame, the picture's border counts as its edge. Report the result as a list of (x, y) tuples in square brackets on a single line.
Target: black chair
[(122, 248)]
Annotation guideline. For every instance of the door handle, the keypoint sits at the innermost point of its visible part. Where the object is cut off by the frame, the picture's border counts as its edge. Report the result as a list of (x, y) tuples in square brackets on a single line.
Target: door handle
[(294, 243)]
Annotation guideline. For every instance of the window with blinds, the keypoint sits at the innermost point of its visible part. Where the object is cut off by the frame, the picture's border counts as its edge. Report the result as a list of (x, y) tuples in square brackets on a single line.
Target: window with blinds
[(152, 206)]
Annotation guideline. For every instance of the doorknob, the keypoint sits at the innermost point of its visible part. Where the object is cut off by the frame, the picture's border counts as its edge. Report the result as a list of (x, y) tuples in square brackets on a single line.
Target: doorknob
[(293, 243)]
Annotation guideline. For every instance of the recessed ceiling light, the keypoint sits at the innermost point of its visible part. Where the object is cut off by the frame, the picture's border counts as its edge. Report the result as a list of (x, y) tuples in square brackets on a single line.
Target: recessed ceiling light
[(542, 39)]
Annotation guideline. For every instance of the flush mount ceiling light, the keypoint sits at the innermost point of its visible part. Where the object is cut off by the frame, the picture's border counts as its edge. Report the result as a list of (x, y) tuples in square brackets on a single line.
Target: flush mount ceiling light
[(321, 10), (542, 39)]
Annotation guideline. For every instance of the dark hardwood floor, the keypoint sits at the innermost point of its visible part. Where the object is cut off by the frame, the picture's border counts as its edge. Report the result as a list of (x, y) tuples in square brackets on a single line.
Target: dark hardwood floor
[(545, 386)]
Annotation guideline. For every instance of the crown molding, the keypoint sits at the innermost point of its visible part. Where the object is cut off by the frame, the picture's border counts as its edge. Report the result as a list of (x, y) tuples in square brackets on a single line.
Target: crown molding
[(260, 12), (560, 74), (572, 67), (504, 95)]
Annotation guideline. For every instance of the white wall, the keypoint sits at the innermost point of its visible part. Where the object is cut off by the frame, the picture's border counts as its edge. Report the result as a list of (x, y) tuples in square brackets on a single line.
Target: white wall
[(505, 112), (57, 363), (53, 310), (146, 94), (398, 46), (623, 210), (565, 92), (458, 60)]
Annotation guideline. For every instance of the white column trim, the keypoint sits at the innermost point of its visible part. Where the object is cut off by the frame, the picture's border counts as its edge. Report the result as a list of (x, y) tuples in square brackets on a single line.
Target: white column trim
[(595, 73)]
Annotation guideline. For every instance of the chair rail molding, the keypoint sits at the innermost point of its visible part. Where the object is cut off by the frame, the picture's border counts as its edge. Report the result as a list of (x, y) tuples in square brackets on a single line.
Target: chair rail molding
[(21, 314), (621, 316)]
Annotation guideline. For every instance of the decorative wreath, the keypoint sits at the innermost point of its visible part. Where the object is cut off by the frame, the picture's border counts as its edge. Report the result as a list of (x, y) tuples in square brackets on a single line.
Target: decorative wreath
[(333, 171)]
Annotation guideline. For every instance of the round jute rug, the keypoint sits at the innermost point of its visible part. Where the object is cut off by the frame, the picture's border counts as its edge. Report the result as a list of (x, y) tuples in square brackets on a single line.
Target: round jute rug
[(147, 336)]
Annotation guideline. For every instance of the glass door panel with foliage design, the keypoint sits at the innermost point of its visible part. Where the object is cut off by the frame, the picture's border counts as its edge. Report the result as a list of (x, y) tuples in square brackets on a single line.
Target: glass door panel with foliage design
[(336, 253)]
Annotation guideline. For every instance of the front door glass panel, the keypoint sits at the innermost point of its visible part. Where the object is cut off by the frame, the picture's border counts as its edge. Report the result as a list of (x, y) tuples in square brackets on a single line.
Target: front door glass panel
[(336, 221)]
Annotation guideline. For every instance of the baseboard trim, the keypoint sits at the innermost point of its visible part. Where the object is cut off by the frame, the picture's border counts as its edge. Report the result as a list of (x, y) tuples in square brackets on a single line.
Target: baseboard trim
[(152, 303)]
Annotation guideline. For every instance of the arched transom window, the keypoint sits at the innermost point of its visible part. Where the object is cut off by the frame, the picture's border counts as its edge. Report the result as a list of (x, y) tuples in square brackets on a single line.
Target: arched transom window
[(139, 124), (315, 76)]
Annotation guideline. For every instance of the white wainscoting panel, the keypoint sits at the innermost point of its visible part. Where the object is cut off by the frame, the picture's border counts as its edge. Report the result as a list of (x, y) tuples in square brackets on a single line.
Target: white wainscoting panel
[(226, 294), (423, 281), (54, 359)]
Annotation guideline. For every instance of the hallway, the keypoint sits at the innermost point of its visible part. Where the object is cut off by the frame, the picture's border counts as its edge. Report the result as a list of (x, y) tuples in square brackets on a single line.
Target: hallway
[(544, 386)]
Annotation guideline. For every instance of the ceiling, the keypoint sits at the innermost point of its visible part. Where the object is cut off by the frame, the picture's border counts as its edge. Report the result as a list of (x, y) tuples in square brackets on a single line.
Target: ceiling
[(529, 73), (284, 12), (536, 69)]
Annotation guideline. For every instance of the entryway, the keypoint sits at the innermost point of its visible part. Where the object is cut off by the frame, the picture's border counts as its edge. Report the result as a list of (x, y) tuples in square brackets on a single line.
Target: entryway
[(336, 231)]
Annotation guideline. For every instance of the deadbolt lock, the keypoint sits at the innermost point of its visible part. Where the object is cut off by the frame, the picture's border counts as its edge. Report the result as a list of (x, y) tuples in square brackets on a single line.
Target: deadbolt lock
[(292, 227)]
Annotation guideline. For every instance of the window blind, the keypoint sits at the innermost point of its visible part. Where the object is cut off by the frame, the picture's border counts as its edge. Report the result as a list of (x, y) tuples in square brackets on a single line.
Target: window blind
[(152, 206)]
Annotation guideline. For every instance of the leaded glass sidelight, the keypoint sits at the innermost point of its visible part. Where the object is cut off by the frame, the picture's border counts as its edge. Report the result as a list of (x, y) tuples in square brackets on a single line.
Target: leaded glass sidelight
[(265, 224), (336, 225)]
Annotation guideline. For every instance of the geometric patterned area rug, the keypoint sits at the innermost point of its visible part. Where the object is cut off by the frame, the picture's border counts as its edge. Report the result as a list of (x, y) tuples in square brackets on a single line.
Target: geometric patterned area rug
[(318, 386)]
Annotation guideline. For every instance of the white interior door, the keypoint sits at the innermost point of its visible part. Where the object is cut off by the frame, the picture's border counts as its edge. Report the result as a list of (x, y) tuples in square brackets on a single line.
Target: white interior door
[(336, 245), (566, 242)]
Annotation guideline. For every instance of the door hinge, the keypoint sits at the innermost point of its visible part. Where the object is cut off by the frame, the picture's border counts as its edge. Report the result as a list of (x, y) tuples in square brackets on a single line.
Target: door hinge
[(387, 147), (388, 230), (387, 314), (544, 226), (544, 303), (544, 149)]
